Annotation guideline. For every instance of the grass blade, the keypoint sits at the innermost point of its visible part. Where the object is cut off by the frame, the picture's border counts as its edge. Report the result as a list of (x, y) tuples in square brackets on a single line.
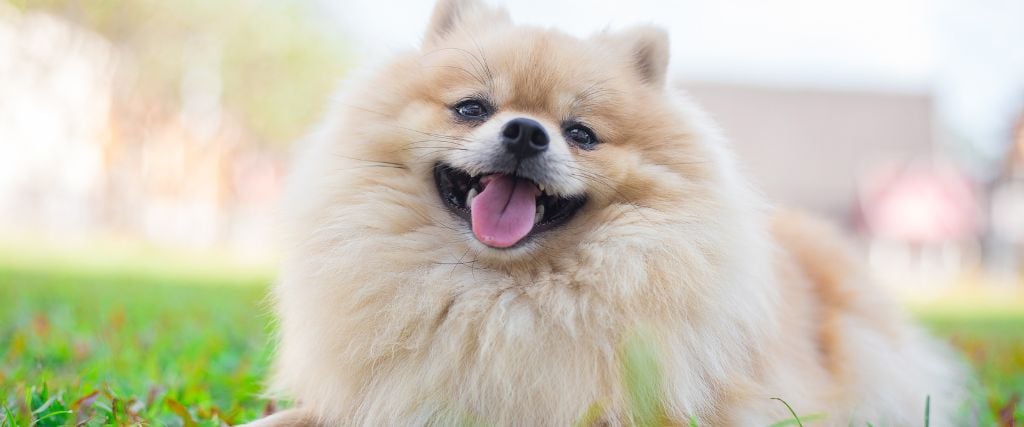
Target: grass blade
[(592, 415), (51, 414), (927, 410), (643, 380), (8, 416), (791, 411)]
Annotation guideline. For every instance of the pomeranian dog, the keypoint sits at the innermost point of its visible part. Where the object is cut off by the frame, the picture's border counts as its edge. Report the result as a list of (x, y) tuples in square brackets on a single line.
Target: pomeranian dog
[(514, 227)]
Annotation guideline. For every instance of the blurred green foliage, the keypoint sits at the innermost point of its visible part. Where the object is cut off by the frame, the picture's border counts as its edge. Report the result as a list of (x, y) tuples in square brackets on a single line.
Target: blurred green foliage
[(642, 376), (279, 60)]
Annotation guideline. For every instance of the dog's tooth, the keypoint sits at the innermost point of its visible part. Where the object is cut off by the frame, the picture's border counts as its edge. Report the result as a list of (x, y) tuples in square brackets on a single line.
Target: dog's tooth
[(540, 214), (541, 187), (469, 197)]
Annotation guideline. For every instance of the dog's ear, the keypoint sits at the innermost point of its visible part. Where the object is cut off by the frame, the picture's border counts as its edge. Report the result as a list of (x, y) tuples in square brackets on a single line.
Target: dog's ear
[(647, 48), (451, 16)]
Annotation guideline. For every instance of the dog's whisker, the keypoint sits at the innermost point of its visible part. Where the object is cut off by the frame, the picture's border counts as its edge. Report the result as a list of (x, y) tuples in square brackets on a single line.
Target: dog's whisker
[(604, 181), (477, 62), (405, 128), (467, 72), (375, 163), (487, 68)]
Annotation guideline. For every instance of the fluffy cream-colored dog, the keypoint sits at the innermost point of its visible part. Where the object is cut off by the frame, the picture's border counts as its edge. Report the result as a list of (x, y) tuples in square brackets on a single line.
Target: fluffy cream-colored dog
[(485, 228)]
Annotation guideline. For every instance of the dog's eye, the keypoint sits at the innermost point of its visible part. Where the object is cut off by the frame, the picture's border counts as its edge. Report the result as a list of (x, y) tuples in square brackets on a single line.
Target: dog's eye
[(582, 136), (471, 109)]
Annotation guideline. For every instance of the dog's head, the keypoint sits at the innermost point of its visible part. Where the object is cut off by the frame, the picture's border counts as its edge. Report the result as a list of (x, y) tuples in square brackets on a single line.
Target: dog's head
[(515, 142), (498, 179)]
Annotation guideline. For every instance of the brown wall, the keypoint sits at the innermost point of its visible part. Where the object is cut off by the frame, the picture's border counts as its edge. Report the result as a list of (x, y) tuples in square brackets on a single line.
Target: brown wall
[(808, 148)]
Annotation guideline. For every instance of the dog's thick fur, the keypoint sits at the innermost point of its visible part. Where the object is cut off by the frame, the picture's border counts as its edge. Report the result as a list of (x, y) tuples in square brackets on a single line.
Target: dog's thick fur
[(392, 313)]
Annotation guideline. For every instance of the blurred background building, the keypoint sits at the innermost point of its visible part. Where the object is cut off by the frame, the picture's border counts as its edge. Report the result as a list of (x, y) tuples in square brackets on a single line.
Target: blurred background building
[(169, 122)]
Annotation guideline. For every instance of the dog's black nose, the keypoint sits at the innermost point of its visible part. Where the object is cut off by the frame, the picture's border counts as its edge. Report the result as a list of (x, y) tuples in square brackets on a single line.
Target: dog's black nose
[(524, 138)]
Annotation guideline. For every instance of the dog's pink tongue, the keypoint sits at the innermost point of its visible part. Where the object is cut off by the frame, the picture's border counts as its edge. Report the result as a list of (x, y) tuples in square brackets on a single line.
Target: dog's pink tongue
[(503, 212)]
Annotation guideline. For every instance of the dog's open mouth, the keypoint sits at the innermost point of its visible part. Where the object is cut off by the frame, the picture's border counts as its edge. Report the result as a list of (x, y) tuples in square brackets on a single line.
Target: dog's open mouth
[(503, 209)]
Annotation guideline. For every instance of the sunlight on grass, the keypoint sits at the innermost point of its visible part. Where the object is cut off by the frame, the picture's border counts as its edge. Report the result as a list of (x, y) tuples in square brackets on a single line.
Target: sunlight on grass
[(146, 263)]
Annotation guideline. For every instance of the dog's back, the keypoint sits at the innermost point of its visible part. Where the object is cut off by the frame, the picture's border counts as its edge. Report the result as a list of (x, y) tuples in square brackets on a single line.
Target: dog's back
[(882, 367)]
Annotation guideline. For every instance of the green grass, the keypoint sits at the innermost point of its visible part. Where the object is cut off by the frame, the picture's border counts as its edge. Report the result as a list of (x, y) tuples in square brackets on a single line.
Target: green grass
[(993, 341), (151, 345), (184, 343)]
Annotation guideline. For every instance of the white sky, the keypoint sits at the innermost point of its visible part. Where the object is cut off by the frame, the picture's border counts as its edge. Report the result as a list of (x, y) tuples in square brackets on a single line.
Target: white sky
[(884, 44)]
